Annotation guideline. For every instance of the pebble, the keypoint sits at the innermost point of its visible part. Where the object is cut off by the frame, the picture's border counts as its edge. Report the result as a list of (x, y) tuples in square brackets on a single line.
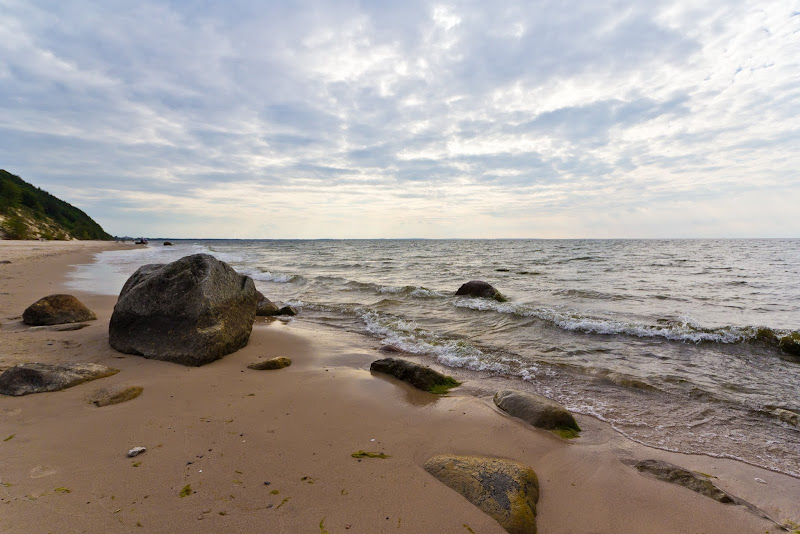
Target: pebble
[(136, 451), (761, 481)]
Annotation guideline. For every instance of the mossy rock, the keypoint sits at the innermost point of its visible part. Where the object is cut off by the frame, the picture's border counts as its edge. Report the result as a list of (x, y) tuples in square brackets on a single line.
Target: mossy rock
[(57, 309), (115, 395), (273, 363), (683, 477), (504, 489), (538, 411), (417, 375)]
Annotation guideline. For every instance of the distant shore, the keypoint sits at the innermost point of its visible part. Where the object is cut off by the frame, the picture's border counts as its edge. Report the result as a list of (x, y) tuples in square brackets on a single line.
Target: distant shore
[(271, 450)]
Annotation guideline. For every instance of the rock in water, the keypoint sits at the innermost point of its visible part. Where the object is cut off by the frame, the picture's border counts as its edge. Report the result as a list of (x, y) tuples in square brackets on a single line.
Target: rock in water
[(57, 309), (264, 306), (287, 310), (27, 378), (506, 490), (417, 375), (535, 409), (192, 311), (683, 477), (479, 288), (273, 363)]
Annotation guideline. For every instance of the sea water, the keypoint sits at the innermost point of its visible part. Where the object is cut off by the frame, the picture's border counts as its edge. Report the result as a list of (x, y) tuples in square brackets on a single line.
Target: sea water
[(663, 339)]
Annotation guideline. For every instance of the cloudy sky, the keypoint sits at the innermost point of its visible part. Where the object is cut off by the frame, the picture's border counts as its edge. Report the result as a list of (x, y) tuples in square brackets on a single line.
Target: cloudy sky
[(258, 119)]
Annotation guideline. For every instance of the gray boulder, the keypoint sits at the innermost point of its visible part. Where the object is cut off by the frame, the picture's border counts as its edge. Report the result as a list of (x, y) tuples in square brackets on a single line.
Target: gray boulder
[(683, 477), (417, 375), (506, 490), (479, 288), (192, 311), (27, 378), (57, 309), (537, 410), (264, 306)]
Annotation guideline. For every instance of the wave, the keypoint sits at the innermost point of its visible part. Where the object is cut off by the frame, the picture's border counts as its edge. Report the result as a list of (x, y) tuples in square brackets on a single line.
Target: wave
[(269, 276), (412, 291), (685, 329)]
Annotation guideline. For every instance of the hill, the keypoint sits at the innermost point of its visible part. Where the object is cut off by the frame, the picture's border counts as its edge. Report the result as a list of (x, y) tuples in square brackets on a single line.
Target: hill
[(28, 212)]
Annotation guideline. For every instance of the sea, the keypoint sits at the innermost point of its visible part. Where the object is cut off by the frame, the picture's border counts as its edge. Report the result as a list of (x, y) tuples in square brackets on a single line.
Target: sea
[(672, 342)]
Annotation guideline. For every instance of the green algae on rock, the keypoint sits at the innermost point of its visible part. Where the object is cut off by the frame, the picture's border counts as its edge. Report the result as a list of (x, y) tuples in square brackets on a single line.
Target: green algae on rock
[(417, 375), (538, 411)]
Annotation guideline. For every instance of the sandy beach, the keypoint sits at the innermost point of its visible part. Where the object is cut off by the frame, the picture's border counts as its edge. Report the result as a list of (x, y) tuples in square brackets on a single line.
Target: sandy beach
[(270, 451)]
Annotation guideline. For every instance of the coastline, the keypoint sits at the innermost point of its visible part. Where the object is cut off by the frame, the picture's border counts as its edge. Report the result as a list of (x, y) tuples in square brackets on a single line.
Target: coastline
[(243, 428)]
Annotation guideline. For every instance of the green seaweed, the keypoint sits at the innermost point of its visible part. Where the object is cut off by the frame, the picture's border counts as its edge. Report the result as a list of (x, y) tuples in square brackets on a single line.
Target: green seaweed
[(566, 432), (365, 454), (9, 438), (274, 492), (310, 480), (137, 464), (466, 526), (284, 501), (62, 490), (444, 387), (322, 529), (186, 491)]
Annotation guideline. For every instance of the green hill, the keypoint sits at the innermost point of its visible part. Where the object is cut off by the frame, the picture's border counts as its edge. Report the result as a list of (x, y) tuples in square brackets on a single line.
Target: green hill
[(27, 212)]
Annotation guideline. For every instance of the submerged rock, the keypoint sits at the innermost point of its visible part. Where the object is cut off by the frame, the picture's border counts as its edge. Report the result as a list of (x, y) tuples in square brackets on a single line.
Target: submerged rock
[(27, 378), (506, 490), (57, 309), (415, 374), (273, 363), (479, 288), (115, 395), (192, 311), (536, 410), (287, 310), (167, 243), (264, 306), (683, 477)]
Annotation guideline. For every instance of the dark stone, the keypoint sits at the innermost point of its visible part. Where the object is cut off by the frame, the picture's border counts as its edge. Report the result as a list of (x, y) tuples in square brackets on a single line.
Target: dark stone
[(683, 477), (273, 363), (478, 288), (287, 310), (505, 490), (27, 378), (264, 306), (5, 262), (192, 311), (417, 375), (536, 410), (167, 243), (57, 309)]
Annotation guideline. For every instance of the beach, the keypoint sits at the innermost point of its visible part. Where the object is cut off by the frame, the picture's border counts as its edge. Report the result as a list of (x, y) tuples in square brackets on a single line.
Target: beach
[(271, 451)]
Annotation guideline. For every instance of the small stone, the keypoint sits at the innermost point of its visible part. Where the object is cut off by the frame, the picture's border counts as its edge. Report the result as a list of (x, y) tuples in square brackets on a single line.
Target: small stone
[(287, 310), (273, 363), (136, 451)]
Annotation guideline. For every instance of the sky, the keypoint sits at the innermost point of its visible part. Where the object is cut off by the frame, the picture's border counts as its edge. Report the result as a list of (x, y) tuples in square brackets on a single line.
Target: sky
[(388, 119)]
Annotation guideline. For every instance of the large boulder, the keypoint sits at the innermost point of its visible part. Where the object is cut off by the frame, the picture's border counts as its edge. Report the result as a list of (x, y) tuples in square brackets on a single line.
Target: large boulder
[(264, 306), (536, 410), (683, 477), (192, 311), (479, 288), (417, 375), (506, 490), (27, 378), (57, 309)]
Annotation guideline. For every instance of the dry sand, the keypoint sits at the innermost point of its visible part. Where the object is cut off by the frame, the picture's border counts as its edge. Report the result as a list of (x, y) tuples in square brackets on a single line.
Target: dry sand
[(269, 451)]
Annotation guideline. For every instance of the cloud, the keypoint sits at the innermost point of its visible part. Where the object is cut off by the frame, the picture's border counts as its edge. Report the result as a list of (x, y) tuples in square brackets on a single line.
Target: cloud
[(424, 119)]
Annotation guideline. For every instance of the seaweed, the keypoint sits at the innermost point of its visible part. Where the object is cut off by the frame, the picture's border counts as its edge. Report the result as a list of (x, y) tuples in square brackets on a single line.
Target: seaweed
[(284, 501), (186, 491), (566, 432), (365, 454), (322, 529), (62, 490), (9, 438)]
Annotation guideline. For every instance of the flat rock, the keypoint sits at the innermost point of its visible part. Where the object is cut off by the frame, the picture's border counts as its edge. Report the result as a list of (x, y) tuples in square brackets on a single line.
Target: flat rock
[(683, 477), (57, 309), (264, 306), (60, 327), (192, 311), (479, 288), (115, 395), (27, 378), (273, 363), (504, 489), (417, 375), (536, 410)]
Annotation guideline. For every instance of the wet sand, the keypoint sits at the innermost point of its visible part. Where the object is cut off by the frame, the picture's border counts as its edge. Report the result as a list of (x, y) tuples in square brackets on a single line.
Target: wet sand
[(270, 451)]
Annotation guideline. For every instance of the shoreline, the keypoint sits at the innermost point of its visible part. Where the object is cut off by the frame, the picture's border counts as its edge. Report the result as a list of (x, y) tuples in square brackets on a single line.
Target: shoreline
[(314, 415)]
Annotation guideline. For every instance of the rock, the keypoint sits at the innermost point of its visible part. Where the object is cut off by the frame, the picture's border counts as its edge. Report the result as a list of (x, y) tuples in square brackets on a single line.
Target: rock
[(287, 310), (167, 243), (264, 306), (536, 410), (506, 490), (683, 477), (5, 262), (192, 311), (59, 327), (136, 451), (57, 309), (417, 375), (790, 344), (28, 378), (273, 363), (478, 288), (788, 416), (115, 395)]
